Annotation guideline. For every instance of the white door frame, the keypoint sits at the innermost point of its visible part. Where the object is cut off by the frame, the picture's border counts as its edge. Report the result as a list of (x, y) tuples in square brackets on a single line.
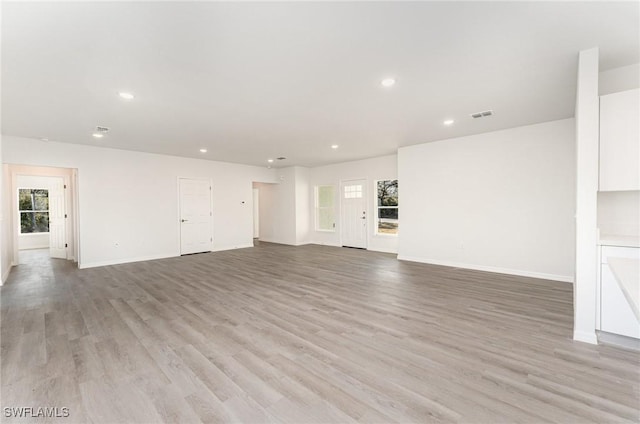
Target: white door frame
[(74, 202), (256, 213), (64, 217), (72, 232), (178, 212), (367, 207)]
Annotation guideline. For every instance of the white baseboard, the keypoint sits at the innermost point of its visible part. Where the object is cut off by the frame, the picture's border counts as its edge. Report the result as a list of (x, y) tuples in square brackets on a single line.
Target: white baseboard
[(383, 250), (520, 273), (618, 340), (277, 241), (222, 248), (586, 337), (333, 244), (5, 274), (268, 240), (125, 260), (326, 244), (153, 257)]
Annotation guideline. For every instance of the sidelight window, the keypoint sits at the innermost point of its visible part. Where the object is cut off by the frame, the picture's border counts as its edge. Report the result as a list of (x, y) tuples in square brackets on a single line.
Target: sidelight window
[(325, 208)]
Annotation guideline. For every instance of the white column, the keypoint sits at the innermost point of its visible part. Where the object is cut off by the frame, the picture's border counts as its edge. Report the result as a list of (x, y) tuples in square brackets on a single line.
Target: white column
[(587, 128)]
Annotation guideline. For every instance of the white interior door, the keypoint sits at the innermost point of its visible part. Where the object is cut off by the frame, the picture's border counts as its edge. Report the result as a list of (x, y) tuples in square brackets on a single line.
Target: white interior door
[(195, 216), (57, 220), (354, 213)]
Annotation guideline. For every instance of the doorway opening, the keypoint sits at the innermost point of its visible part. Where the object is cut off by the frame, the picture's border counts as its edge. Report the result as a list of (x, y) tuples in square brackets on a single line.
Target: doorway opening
[(266, 222), (44, 210)]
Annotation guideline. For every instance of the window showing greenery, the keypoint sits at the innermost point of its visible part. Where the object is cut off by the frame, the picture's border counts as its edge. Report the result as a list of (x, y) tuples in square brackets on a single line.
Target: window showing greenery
[(387, 207), (325, 210), (33, 205)]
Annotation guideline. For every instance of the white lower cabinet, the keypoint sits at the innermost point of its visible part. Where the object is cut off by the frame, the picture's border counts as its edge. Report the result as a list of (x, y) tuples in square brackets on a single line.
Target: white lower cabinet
[(615, 315)]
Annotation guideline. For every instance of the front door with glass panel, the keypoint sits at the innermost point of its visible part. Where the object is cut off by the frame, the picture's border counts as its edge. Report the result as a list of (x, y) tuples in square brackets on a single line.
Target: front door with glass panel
[(354, 213)]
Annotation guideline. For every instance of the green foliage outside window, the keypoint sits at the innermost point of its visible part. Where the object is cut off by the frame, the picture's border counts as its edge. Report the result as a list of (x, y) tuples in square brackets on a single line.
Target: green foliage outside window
[(388, 207), (33, 205)]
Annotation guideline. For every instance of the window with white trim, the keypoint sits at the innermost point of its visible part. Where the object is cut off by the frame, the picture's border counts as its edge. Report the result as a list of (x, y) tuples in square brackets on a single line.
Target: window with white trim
[(387, 205), (325, 208), (33, 206)]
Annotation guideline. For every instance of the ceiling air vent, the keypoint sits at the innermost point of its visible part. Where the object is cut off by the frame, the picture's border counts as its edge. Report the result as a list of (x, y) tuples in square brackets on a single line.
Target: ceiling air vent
[(281, 158), (482, 114), (102, 129)]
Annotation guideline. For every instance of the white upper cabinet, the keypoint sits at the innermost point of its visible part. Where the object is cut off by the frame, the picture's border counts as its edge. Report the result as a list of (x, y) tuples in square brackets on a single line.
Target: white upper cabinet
[(620, 141)]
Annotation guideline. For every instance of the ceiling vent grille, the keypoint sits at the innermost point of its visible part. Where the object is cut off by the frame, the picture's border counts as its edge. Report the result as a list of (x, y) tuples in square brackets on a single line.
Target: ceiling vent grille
[(281, 158), (102, 129), (482, 114)]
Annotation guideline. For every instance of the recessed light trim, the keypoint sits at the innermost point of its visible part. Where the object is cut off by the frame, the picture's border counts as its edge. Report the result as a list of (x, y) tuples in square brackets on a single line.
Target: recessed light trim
[(125, 95), (388, 82), (97, 135), (448, 122), (203, 150), (334, 146)]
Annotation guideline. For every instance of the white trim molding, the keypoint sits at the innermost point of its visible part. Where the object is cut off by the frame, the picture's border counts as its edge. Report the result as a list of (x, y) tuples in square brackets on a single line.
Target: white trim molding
[(5, 274), (520, 273), (585, 337), (125, 260)]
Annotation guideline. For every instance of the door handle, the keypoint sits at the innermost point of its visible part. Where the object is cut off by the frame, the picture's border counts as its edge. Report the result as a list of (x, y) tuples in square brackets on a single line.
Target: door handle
[(183, 220)]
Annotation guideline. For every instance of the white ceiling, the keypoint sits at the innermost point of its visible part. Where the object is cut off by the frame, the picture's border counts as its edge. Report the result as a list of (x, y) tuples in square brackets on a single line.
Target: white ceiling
[(251, 81)]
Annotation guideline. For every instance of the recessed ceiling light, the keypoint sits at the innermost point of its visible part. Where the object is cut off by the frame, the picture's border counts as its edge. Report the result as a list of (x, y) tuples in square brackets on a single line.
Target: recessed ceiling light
[(334, 146), (448, 122), (203, 150), (270, 160), (126, 96), (98, 135), (388, 82)]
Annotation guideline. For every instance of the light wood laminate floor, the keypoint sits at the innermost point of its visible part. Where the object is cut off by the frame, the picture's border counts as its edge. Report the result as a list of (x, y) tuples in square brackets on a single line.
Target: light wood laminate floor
[(302, 334)]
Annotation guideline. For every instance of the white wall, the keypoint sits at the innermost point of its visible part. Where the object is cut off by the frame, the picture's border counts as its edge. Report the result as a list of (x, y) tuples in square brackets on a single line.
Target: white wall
[(372, 170), (6, 236), (131, 198), (619, 79), (587, 134), (33, 241), (619, 212), (501, 201), (277, 212), (284, 210), (303, 195)]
